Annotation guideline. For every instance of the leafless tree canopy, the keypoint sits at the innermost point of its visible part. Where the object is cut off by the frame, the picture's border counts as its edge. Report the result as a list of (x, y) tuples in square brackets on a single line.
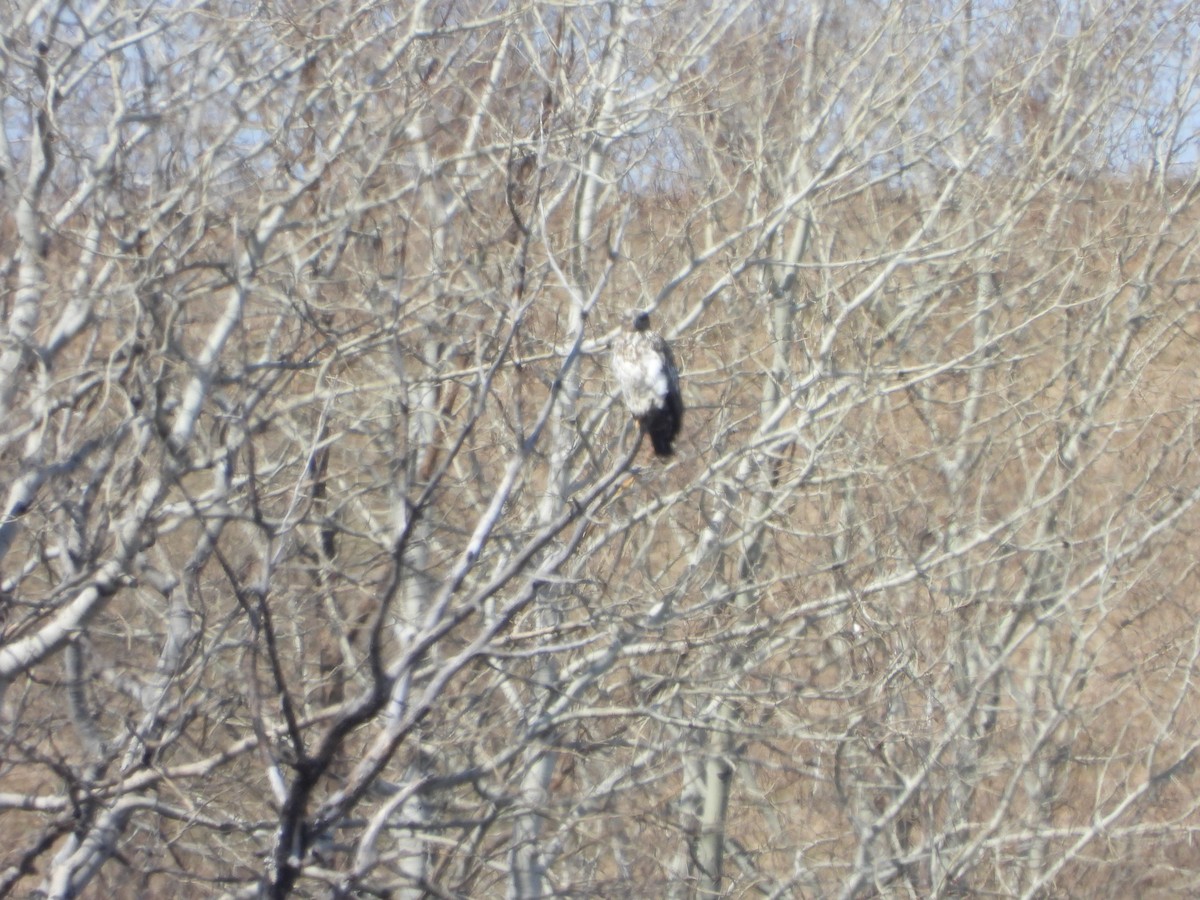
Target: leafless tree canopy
[(330, 566)]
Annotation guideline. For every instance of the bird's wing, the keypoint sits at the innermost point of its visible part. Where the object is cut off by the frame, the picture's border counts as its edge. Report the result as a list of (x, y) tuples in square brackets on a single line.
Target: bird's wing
[(668, 362)]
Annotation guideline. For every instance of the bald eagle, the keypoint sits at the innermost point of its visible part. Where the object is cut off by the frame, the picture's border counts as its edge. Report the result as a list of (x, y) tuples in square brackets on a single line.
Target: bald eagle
[(649, 382)]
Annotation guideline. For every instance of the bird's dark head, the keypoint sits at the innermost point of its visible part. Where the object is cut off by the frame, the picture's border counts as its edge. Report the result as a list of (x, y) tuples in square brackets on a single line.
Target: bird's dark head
[(637, 320)]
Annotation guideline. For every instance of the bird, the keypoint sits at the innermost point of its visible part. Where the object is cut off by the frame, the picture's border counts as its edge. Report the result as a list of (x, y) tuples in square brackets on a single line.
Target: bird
[(645, 371)]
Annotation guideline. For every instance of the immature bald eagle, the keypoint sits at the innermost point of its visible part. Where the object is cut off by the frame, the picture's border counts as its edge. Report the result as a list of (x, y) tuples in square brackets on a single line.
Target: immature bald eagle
[(649, 382)]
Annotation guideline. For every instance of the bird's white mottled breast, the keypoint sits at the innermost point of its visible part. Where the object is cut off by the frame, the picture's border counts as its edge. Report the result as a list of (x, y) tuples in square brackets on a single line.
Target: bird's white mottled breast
[(641, 372)]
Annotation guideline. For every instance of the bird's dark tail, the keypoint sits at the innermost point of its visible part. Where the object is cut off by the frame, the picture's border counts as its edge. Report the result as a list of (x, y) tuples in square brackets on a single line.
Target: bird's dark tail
[(662, 426)]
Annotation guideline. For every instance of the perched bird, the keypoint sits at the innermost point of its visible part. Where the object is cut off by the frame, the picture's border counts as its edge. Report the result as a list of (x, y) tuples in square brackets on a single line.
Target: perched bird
[(649, 382)]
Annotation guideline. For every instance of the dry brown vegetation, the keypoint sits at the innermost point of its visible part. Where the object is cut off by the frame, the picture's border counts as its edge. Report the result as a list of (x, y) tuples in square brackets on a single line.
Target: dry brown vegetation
[(330, 567)]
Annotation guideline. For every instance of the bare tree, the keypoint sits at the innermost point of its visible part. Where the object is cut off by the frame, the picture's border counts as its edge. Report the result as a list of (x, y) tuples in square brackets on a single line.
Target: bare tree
[(330, 567)]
